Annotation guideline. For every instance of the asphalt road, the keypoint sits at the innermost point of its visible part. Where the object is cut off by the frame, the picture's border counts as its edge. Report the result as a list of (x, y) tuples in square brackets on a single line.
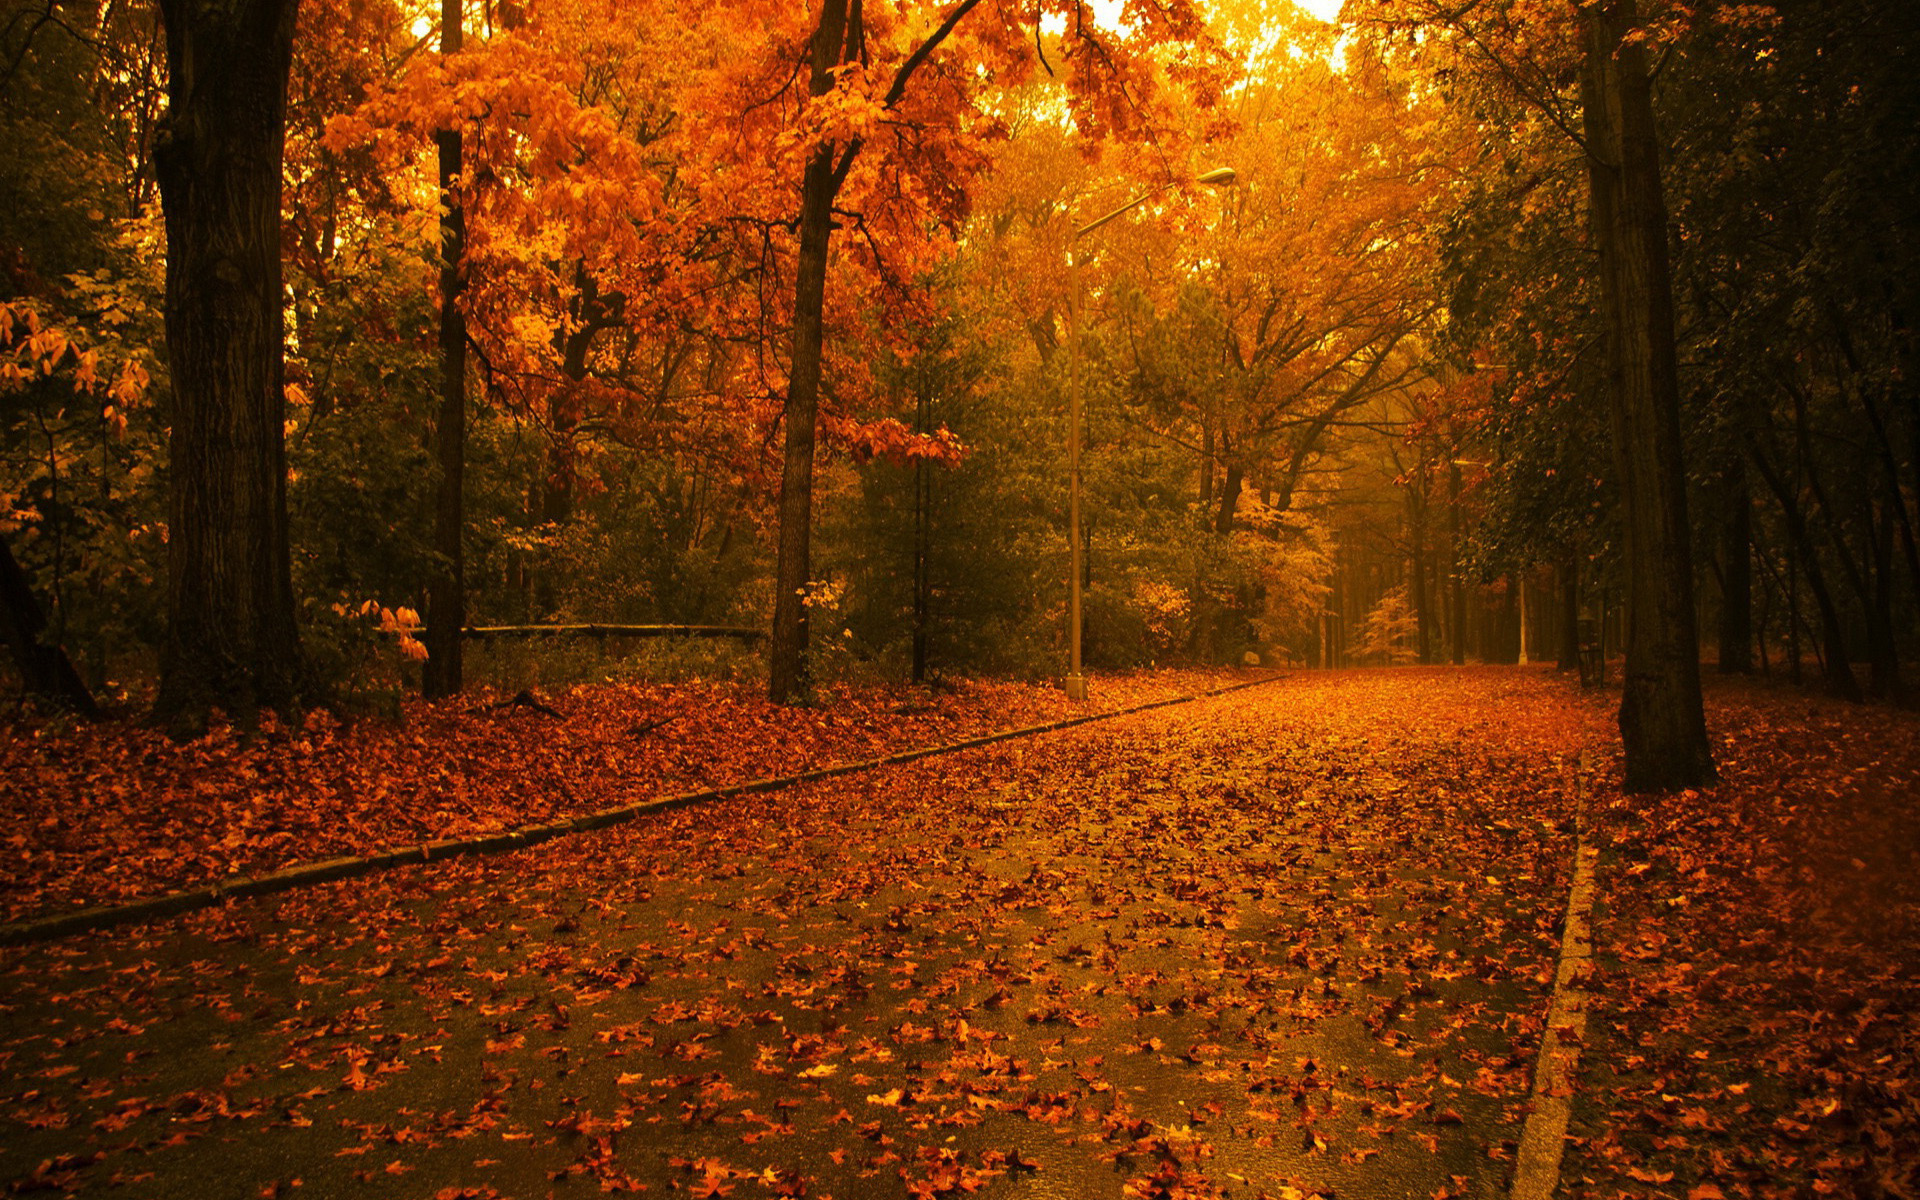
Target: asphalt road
[(1292, 941)]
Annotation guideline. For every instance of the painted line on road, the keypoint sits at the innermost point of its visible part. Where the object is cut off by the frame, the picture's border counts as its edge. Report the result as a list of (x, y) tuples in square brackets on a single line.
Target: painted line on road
[(151, 908), (1536, 1171)]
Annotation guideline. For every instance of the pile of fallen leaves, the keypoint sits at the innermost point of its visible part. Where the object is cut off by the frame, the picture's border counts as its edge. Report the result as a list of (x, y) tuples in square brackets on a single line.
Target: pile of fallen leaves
[(1754, 1030), (1290, 943), (114, 811)]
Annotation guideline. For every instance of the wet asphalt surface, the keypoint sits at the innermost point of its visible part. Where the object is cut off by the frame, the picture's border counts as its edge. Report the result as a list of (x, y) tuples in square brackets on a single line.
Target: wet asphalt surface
[(1234, 948)]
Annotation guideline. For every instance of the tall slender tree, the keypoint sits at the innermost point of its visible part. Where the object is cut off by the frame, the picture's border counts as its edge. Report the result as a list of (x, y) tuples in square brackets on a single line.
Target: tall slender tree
[(440, 676), (839, 40), (231, 640)]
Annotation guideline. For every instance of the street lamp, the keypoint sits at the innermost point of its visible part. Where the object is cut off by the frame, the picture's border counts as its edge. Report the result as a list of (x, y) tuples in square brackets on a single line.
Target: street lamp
[(1076, 682)]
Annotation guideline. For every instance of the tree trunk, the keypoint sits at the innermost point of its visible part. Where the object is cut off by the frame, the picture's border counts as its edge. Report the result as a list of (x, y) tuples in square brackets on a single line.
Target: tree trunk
[(1886, 654), (1206, 464), (45, 670), (1736, 574), (1662, 721), (1839, 671), (789, 681), (1794, 622), (1569, 653), (1884, 666), (231, 640), (1508, 636), (1229, 498), (441, 675)]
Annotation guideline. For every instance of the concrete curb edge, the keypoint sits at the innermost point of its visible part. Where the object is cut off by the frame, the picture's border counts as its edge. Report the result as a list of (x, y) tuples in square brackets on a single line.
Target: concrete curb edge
[(1543, 1139)]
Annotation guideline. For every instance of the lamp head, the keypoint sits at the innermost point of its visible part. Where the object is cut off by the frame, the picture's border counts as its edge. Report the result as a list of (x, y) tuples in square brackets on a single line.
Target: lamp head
[(1218, 177)]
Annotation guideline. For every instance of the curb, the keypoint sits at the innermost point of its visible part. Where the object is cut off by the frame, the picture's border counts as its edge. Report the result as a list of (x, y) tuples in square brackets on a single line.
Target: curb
[(240, 887), (1543, 1139)]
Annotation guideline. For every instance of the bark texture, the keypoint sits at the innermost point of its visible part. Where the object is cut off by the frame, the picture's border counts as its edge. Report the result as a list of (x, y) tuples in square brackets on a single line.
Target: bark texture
[(231, 639), (788, 678), (1736, 573), (1568, 656), (1662, 723), (441, 675)]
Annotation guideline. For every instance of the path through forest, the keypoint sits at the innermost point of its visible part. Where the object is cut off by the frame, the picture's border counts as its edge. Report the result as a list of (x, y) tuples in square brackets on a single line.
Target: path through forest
[(1294, 940), (1268, 941)]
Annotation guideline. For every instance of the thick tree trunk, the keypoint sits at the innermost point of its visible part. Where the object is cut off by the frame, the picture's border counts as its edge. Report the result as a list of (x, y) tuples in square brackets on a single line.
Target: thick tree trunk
[(45, 670), (1736, 574), (788, 679), (1662, 721), (441, 675), (231, 640)]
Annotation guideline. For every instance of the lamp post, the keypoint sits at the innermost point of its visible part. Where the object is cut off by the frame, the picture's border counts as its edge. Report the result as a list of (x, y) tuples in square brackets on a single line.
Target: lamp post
[(1076, 682)]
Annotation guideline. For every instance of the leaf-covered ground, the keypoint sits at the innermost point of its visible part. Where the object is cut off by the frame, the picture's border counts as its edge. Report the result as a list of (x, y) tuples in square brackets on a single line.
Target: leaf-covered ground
[(104, 813), (1759, 976), (1292, 941)]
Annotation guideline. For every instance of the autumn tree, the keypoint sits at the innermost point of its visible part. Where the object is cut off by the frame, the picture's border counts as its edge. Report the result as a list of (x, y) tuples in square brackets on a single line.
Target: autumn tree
[(1265, 329), (79, 495), (37, 357), (853, 103), (838, 42), (593, 285), (440, 676), (1320, 274), (1586, 71), (1524, 364), (231, 639)]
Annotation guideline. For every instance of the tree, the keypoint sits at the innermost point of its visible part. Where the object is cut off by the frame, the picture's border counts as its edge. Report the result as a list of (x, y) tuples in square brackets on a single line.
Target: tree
[(1662, 721), (1109, 84), (1796, 272), (447, 593), (1320, 279), (838, 42), (231, 639), (1532, 54)]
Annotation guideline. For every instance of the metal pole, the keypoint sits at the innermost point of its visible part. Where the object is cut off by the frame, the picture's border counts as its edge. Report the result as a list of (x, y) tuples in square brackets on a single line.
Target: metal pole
[(1076, 681), (1521, 579)]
